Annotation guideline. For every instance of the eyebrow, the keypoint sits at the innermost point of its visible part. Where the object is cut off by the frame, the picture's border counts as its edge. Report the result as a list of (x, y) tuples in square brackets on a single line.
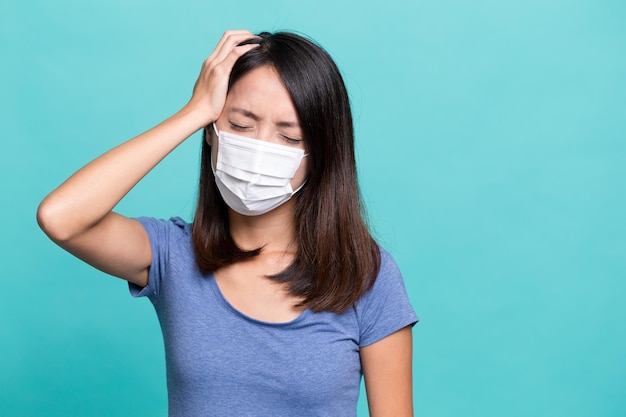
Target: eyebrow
[(248, 113)]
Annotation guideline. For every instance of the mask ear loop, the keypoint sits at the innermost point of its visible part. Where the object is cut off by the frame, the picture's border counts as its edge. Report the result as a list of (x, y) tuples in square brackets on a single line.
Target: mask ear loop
[(216, 138), (305, 180), (300, 187)]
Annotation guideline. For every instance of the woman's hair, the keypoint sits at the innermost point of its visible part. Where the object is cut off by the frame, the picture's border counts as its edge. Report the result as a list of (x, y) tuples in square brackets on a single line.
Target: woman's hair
[(337, 259)]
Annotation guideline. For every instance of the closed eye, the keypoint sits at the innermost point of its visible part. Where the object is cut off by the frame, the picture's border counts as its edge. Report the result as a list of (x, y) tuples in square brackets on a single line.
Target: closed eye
[(292, 141), (237, 127)]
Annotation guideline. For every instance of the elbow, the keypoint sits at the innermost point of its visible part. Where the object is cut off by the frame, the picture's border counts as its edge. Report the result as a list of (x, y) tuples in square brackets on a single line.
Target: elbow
[(54, 222)]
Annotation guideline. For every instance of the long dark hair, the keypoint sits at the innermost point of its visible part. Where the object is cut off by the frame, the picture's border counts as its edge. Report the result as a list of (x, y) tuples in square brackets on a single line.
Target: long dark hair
[(337, 259)]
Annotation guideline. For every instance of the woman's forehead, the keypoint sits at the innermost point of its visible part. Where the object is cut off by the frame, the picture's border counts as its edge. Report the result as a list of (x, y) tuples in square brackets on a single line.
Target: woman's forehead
[(261, 94)]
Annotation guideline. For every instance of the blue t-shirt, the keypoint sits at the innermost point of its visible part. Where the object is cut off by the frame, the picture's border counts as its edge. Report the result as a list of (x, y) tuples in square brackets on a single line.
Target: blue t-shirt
[(221, 362)]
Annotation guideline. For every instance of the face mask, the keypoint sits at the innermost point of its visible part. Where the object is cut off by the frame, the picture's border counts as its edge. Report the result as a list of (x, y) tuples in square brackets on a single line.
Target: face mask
[(254, 176)]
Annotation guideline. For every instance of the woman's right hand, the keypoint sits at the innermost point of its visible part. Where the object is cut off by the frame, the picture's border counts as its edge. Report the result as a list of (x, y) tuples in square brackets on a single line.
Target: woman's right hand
[(209, 92)]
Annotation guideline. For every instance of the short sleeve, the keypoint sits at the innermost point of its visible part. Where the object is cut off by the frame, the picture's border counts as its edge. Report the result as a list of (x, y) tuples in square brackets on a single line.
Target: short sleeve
[(163, 236), (386, 308)]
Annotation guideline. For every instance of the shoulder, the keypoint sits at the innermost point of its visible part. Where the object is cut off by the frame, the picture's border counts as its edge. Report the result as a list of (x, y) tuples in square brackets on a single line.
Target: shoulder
[(389, 278), (386, 307), (168, 237), (388, 265), (160, 228), (173, 222), (172, 250)]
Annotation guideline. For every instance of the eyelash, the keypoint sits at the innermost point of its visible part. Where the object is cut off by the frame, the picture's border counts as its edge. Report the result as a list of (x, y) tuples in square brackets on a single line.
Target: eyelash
[(289, 140), (292, 140), (237, 127)]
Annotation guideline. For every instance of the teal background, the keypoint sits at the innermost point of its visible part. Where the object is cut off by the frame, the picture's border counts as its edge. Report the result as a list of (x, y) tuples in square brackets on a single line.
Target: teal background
[(492, 152)]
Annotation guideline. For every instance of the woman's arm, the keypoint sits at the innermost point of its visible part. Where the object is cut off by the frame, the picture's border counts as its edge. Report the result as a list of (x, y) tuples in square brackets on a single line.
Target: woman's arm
[(78, 214), (387, 369)]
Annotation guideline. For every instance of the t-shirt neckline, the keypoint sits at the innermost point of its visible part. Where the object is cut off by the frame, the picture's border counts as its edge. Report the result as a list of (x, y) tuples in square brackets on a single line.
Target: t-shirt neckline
[(229, 307)]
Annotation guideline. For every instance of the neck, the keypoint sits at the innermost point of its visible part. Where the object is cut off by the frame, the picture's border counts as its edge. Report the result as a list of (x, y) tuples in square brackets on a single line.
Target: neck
[(274, 231)]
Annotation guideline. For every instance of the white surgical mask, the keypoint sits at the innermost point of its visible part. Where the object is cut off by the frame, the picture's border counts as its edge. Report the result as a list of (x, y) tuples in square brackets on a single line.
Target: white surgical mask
[(254, 176)]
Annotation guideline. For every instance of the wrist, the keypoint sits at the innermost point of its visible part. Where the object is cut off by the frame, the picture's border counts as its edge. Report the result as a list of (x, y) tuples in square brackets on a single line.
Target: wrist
[(199, 115)]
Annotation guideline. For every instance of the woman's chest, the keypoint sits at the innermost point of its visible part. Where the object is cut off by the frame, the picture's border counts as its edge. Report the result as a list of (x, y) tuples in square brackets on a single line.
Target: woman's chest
[(212, 345)]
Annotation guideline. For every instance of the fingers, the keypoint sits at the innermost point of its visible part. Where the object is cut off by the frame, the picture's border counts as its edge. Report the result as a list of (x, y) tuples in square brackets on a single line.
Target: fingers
[(226, 65), (219, 64), (211, 86), (228, 43), (227, 51)]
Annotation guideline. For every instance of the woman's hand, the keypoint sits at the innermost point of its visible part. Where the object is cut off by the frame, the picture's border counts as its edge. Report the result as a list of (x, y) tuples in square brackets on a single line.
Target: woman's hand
[(209, 92)]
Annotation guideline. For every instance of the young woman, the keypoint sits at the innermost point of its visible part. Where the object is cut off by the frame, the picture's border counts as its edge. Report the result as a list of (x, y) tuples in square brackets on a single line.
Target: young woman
[(276, 299)]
